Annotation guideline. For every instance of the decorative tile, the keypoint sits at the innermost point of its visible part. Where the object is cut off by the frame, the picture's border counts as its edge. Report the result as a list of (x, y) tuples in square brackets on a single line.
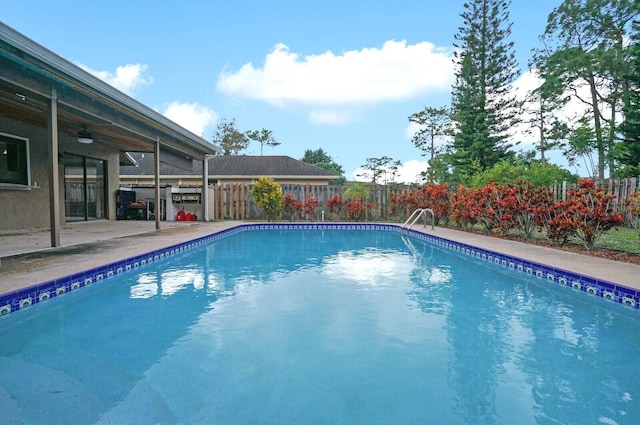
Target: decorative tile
[(628, 301)]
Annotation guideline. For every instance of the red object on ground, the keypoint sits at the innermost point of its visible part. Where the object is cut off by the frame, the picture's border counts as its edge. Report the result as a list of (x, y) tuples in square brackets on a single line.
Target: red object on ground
[(180, 216)]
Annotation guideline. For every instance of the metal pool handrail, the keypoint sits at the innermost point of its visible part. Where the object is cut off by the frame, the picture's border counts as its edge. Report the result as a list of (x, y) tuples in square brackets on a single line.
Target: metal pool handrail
[(418, 213)]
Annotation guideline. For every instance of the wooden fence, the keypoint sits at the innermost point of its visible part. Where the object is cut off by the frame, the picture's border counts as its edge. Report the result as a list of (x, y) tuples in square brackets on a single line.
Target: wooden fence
[(622, 188), (234, 201)]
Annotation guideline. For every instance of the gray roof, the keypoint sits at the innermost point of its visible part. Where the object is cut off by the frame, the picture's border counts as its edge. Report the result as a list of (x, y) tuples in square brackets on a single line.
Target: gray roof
[(234, 166)]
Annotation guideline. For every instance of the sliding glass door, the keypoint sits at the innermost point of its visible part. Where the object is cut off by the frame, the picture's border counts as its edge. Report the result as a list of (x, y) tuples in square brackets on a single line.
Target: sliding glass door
[(85, 188)]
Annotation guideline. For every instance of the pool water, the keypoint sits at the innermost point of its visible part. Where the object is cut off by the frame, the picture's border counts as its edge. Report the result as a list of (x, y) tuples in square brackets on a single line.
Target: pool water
[(321, 327)]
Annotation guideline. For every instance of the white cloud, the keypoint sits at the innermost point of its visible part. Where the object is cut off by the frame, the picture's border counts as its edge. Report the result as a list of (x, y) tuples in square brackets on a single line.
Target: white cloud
[(354, 78), (332, 116), (192, 116), (127, 78), (408, 172)]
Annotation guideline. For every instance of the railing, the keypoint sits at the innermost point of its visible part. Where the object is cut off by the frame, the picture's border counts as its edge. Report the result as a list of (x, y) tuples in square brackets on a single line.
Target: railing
[(417, 214)]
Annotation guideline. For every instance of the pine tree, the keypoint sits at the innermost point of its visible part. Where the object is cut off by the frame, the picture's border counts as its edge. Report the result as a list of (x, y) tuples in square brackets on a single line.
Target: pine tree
[(483, 103)]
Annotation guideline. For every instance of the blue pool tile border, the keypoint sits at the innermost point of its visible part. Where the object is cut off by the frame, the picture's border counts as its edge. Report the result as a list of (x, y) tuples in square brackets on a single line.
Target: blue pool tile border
[(26, 297)]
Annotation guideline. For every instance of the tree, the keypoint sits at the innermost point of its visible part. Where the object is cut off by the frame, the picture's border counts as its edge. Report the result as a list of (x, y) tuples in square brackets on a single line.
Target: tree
[(582, 142), (377, 167), (484, 107), (230, 140), (321, 159), (434, 123), (544, 121), (264, 137), (584, 51), (630, 150)]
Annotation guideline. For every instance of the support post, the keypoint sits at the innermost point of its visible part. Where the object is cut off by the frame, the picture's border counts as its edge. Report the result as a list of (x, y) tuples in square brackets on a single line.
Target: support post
[(157, 181), (205, 188), (54, 175)]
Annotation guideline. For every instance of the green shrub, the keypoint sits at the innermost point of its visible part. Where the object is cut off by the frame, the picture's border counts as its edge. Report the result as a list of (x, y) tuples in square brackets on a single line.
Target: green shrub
[(537, 174), (267, 195)]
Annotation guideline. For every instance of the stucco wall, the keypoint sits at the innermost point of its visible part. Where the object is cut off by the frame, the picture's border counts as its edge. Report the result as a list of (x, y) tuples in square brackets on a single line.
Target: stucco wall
[(29, 208)]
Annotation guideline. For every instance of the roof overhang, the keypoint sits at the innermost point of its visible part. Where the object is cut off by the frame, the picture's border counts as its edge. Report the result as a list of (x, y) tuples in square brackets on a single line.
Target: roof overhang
[(32, 76)]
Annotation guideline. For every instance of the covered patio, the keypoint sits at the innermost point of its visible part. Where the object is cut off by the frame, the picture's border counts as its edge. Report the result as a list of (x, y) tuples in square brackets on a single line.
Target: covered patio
[(64, 134)]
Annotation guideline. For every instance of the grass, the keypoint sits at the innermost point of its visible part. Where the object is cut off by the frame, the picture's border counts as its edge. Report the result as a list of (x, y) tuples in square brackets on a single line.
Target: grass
[(624, 239), (621, 239)]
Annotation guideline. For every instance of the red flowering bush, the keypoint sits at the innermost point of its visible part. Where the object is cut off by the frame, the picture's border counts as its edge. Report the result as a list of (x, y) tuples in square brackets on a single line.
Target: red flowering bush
[(554, 219), (500, 208), (310, 206), (433, 196), (517, 204), (592, 211), (357, 209), (335, 205), (292, 207), (437, 197), (479, 206), (463, 211), (489, 209), (587, 214)]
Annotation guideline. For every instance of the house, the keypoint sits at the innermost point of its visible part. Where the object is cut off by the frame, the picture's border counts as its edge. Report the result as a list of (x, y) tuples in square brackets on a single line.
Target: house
[(65, 133), (181, 187), (227, 169)]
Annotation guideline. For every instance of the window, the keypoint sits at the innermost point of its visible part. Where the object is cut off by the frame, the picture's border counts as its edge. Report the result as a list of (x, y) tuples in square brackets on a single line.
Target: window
[(14, 160)]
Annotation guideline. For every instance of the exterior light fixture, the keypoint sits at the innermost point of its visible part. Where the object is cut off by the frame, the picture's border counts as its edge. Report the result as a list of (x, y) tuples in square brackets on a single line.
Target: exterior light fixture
[(84, 136)]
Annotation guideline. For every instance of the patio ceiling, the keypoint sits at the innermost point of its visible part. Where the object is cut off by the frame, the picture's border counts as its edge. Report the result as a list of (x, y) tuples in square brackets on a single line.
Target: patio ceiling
[(30, 76)]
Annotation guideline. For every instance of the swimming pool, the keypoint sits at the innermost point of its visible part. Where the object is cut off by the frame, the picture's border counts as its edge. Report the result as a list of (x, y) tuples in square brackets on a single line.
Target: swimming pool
[(319, 325)]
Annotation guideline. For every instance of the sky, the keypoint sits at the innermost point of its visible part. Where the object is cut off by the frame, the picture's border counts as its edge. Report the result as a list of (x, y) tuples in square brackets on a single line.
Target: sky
[(343, 75)]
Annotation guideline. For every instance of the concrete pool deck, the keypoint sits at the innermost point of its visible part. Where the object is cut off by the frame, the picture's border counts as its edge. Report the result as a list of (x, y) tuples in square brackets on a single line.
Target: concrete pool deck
[(26, 258)]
